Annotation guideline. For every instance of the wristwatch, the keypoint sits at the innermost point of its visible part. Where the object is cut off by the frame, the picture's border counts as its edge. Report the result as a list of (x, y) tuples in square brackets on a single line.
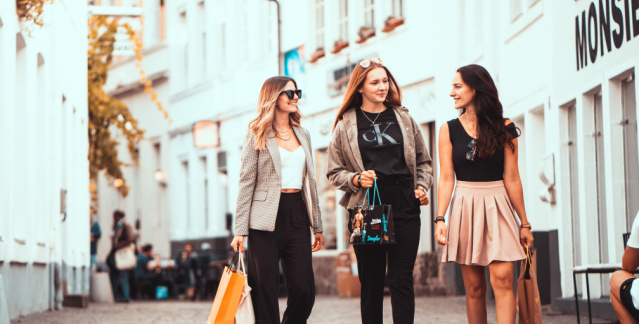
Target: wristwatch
[(439, 219), (423, 189)]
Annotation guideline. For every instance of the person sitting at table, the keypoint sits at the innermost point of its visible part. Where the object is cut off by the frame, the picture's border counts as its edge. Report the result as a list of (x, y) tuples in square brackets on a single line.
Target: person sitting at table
[(186, 262), (624, 289), (148, 271)]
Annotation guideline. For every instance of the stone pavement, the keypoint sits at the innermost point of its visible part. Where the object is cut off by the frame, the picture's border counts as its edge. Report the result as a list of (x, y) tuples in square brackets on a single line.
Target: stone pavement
[(327, 310)]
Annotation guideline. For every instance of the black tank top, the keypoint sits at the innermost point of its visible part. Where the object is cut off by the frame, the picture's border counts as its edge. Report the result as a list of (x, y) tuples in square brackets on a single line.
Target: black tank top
[(491, 169)]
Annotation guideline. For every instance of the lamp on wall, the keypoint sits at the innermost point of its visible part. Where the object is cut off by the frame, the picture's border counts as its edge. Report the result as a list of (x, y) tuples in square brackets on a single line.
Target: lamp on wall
[(160, 177)]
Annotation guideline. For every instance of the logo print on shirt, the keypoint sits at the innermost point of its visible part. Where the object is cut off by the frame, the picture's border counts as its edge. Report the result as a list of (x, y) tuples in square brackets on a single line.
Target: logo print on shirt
[(379, 136)]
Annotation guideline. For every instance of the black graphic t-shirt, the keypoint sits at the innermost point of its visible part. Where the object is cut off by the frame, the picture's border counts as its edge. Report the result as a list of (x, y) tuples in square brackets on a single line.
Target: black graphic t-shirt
[(382, 145)]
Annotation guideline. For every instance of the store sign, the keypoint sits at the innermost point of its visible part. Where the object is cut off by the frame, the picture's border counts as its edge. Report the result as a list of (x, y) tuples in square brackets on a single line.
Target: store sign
[(603, 25)]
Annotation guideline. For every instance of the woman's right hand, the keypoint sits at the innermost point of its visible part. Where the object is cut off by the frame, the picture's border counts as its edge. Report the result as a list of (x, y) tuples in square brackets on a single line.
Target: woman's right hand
[(238, 240), (368, 178), (440, 233)]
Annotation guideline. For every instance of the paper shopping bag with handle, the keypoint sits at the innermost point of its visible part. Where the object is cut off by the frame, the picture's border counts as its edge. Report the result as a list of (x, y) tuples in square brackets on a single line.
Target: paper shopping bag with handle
[(228, 295), (528, 300), (371, 224)]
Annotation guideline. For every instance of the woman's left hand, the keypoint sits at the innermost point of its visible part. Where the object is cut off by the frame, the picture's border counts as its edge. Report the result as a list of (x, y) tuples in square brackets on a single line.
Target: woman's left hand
[(319, 241), (423, 199), (526, 237)]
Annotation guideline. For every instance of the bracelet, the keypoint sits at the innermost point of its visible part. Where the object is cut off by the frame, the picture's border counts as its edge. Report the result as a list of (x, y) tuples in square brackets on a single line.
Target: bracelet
[(359, 182), (527, 225), (439, 219), (423, 189)]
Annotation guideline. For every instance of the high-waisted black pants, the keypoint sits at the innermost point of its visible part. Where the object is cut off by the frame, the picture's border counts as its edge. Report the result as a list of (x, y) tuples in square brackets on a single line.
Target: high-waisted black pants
[(372, 260), (290, 242)]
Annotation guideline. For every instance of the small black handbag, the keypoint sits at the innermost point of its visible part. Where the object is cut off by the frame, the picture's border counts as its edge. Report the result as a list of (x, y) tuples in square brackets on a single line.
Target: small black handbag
[(371, 224)]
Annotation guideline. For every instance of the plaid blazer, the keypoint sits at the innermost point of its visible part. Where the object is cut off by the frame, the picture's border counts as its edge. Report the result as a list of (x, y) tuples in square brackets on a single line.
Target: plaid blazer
[(261, 184)]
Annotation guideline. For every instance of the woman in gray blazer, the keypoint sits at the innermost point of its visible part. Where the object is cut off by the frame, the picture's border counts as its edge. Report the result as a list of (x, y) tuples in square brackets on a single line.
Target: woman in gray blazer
[(374, 137), (277, 205)]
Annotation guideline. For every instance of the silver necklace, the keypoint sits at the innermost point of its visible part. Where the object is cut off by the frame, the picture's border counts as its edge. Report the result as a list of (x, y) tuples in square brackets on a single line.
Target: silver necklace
[(372, 121)]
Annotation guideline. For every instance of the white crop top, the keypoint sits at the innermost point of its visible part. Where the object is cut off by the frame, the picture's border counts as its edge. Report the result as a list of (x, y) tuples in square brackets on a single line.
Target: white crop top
[(293, 168)]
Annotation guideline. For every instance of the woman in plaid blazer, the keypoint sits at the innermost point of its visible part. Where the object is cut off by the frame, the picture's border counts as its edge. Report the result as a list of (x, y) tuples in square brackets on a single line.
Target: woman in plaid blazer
[(277, 205)]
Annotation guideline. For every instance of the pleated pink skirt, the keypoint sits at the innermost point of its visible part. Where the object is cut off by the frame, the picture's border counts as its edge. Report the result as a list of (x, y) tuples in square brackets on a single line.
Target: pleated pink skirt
[(482, 226)]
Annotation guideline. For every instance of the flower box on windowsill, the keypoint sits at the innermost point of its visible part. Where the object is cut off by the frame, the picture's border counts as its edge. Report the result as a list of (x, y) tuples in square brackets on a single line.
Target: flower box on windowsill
[(392, 23), (364, 34), (338, 46), (318, 54)]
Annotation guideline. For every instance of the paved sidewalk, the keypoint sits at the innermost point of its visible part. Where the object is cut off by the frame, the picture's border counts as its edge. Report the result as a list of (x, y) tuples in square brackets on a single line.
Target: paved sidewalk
[(327, 310)]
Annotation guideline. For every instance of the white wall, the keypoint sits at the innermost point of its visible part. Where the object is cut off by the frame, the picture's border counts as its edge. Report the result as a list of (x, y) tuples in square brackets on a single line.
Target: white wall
[(44, 126)]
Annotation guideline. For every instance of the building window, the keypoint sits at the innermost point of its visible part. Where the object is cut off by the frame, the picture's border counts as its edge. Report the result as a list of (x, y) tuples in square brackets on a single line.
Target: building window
[(162, 20), (319, 24), (185, 48), (205, 192), (369, 13), (515, 9), (187, 195), (570, 152), (397, 8), (203, 44), (343, 20), (631, 164)]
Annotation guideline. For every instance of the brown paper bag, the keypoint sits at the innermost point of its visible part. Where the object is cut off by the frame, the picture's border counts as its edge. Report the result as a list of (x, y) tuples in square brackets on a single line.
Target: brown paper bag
[(528, 301)]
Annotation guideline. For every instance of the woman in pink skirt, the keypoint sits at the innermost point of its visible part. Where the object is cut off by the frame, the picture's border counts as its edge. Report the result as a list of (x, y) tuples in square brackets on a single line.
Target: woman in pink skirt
[(479, 150)]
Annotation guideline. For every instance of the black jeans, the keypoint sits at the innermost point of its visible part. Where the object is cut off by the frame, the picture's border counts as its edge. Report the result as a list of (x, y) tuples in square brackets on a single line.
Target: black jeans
[(372, 260), (290, 242)]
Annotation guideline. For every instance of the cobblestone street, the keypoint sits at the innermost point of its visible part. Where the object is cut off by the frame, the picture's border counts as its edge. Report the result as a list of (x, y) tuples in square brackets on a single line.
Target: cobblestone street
[(327, 310)]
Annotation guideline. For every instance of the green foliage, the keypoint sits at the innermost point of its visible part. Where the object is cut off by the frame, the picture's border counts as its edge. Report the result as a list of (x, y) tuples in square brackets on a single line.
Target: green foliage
[(107, 115)]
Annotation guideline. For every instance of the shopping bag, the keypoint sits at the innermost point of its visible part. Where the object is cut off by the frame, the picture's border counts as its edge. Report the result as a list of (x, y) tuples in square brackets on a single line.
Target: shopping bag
[(371, 224), (528, 301), (245, 313), (227, 298), (125, 258)]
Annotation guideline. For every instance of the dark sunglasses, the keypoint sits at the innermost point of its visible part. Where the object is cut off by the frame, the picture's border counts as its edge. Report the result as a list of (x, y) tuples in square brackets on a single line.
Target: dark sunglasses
[(470, 156), (291, 93)]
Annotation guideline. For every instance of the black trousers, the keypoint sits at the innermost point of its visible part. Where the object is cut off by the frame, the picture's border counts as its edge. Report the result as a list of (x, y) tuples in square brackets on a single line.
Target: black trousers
[(290, 242), (372, 260)]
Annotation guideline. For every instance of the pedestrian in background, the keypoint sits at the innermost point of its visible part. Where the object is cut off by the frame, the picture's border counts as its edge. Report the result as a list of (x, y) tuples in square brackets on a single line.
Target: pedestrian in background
[(122, 237), (479, 149), (624, 289), (96, 233), (186, 263), (374, 137), (277, 177)]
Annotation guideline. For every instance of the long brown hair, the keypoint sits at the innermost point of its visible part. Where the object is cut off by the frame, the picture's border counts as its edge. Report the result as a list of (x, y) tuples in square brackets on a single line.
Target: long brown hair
[(353, 99), (263, 123), (491, 129)]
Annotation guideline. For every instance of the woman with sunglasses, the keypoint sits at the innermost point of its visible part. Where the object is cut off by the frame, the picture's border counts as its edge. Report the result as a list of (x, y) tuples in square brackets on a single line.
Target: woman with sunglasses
[(274, 210), (479, 149), (375, 139)]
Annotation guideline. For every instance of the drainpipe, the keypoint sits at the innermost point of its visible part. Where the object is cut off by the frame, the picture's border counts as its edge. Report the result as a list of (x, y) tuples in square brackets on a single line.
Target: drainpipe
[(279, 39)]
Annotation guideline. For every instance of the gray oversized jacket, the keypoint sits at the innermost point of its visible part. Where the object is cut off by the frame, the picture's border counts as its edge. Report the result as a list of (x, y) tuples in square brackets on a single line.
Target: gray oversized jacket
[(345, 160)]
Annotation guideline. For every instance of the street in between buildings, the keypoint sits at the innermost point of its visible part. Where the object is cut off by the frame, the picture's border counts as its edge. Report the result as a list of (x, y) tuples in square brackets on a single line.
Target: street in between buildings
[(327, 310)]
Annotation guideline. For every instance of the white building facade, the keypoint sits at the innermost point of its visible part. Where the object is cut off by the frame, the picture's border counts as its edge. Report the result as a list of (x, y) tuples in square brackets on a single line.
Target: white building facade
[(565, 72), (147, 205), (44, 225), (217, 65)]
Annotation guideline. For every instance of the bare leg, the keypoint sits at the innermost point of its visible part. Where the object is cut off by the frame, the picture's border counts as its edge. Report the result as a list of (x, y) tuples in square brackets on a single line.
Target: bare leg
[(501, 279), (616, 281), (475, 284)]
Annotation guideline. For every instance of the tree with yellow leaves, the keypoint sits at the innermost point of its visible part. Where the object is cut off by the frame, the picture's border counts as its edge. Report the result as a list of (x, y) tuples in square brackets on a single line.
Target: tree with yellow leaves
[(107, 114)]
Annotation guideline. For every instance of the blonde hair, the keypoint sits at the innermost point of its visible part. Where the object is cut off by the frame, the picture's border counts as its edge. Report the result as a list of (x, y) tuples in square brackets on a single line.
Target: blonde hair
[(353, 99), (266, 103)]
